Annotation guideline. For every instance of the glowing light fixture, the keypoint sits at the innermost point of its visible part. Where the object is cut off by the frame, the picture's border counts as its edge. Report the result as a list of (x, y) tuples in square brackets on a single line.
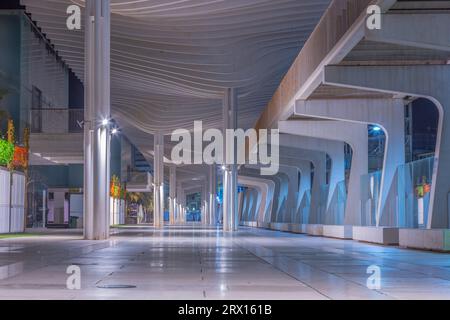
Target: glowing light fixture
[(376, 129), (105, 122)]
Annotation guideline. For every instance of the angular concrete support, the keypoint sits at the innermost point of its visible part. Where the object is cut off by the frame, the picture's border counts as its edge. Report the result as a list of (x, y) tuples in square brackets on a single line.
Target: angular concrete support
[(288, 210), (280, 191), (253, 172), (334, 149), (283, 193), (428, 81), (291, 156), (97, 110), (212, 194), (265, 192), (245, 208), (172, 193), (305, 184), (355, 135), (387, 113), (253, 203), (158, 180), (244, 213), (230, 196)]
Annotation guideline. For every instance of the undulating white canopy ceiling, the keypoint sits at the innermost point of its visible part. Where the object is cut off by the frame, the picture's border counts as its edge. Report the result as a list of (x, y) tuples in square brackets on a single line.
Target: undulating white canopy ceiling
[(172, 59)]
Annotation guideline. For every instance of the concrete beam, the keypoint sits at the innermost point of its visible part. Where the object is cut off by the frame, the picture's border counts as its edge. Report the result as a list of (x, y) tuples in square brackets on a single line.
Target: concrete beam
[(422, 30), (291, 157), (427, 81), (355, 135), (387, 113)]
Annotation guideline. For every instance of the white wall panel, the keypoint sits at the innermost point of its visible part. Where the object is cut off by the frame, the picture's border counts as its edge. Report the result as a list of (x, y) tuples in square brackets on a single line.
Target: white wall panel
[(12, 201), (4, 200), (17, 202)]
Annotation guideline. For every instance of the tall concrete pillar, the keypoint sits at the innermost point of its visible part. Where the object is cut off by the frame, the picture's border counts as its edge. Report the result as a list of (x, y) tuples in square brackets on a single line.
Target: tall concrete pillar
[(181, 196), (212, 194), (172, 193), (96, 120), (178, 203), (205, 205), (230, 196), (158, 180)]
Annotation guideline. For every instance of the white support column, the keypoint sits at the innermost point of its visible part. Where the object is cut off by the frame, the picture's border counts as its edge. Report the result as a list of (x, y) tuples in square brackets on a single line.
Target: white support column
[(158, 180), (389, 114), (178, 204), (427, 81), (183, 206), (97, 110), (355, 134), (212, 194), (205, 205), (172, 193), (230, 196)]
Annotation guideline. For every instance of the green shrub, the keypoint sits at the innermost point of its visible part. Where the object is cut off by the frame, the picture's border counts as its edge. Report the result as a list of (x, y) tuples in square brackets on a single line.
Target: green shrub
[(6, 152)]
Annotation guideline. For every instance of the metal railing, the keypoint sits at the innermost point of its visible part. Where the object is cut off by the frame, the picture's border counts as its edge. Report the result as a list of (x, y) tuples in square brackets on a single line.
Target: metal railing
[(56, 120)]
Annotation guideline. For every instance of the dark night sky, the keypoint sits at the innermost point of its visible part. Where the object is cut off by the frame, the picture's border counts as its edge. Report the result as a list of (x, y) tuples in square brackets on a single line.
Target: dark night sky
[(425, 116)]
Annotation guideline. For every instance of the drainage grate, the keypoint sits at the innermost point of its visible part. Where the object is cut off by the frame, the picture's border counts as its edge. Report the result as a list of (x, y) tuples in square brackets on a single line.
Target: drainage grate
[(116, 286)]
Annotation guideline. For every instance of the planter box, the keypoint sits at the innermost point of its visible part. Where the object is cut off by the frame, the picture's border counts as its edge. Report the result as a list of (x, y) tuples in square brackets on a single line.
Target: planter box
[(264, 225), (425, 239), (288, 227), (339, 232), (314, 229), (252, 224), (379, 235)]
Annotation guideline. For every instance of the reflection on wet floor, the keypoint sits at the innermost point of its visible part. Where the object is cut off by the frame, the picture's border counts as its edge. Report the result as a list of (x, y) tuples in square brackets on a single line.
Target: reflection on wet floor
[(189, 262)]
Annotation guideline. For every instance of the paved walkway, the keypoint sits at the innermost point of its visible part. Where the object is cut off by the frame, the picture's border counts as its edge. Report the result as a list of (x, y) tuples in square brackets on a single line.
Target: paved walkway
[(194, 263)]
